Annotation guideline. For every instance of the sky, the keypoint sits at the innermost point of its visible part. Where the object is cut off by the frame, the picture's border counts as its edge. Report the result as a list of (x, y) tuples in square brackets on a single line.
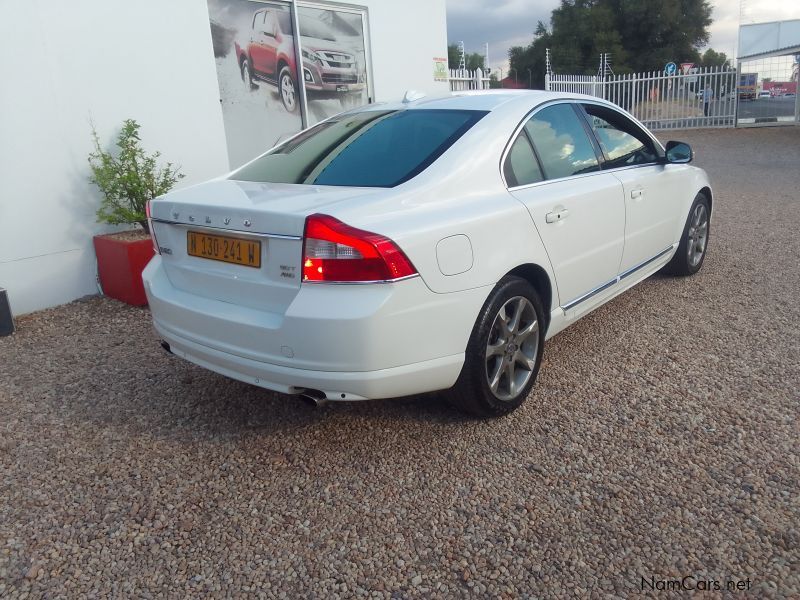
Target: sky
[(506, 23)]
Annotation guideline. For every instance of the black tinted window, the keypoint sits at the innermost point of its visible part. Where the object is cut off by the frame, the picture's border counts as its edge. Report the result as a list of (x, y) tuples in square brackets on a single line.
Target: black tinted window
[(622, 141), (561, 142), (366, 149), (521, 166)]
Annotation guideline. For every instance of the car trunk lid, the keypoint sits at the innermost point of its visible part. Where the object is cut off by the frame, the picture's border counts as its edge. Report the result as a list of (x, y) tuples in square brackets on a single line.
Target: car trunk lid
[(208, 234)]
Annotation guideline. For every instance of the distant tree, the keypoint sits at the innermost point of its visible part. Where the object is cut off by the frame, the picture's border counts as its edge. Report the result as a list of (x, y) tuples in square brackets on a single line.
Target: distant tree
[(453, 56), (533, 56), (655, 32), (712, 58), (473, 60), (640, 35)]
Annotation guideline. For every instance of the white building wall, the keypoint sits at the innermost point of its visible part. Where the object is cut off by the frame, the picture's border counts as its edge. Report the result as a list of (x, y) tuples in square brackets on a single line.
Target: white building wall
[(406, 36), (66, 64)]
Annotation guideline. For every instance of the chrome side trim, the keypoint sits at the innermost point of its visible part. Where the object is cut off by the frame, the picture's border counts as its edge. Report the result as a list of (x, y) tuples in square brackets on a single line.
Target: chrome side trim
[(617, 279), (591, 293), (362, 282), (234, 231), (641, 265)]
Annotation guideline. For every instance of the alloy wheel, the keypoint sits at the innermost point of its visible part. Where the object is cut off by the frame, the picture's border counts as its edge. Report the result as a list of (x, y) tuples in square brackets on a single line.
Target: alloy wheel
[(512, 348), (697, 236), (287, 92), (246, 75)]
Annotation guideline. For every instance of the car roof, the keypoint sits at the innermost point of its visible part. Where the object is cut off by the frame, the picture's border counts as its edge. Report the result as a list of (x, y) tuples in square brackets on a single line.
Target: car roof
[(485, 100)]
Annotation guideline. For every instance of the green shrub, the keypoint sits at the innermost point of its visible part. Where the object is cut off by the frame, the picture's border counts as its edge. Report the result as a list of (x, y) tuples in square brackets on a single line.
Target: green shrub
[(129, 179)]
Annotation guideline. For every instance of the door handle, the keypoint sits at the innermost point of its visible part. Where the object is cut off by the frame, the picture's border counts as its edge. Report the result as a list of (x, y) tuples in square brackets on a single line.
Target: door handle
[(556, 216), (637, 194)]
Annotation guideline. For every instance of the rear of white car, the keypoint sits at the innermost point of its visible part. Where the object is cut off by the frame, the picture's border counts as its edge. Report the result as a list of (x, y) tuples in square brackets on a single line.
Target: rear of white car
[(255, 281)]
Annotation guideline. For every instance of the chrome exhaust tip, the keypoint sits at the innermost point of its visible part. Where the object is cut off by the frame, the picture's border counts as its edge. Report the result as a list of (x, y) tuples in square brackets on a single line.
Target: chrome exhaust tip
[(316, 398)]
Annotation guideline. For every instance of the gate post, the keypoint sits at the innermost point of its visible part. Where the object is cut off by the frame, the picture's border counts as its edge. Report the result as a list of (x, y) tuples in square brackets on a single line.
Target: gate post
[(736, 76), (797, 92)]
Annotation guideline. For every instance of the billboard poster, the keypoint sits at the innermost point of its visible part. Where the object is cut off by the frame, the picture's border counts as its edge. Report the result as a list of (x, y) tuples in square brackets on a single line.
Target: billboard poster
[(254, 52), (261, 87), (334, 60)]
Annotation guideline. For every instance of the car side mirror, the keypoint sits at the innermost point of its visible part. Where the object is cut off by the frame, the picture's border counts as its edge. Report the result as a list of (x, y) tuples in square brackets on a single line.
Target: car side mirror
[(679, 153)]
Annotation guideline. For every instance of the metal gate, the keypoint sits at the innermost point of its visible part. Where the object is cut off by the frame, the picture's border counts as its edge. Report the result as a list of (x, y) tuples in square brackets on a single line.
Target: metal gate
[(704, 97)]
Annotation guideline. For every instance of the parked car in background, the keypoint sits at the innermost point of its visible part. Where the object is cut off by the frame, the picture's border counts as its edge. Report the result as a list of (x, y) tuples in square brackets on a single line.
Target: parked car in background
[(428, 245), (330, 70), (764, 95)]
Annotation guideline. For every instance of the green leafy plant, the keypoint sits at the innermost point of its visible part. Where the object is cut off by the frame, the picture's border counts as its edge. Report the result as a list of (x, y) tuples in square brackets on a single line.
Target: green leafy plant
[(128, 178)]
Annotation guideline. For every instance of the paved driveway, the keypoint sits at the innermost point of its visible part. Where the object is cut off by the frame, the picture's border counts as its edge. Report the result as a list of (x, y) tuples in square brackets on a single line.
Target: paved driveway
[(661, 441)]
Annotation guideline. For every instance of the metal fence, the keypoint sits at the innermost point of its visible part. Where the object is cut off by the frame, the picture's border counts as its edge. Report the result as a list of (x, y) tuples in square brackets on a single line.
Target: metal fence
[(703, 97), (464, 79)]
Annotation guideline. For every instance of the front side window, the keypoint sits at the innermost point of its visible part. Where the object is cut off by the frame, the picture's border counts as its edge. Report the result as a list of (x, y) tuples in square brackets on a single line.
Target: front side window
[(561, 142), (622, 141), (363, 149), (269, 24)]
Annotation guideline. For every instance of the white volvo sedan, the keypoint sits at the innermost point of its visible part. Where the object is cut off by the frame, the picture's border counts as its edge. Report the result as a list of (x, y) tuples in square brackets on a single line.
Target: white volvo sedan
[(427, 245)]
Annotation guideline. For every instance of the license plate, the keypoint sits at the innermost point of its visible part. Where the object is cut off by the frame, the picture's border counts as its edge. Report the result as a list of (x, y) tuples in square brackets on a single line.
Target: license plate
[(342, 88), (223, 248)]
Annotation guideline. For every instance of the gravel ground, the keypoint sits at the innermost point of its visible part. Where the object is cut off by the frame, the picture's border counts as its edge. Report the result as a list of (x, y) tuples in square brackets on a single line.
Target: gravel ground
[(660, 441)]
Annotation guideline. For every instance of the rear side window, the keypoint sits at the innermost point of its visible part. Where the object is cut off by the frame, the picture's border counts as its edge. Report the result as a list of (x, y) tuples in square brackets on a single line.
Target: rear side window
[(521, 166), (561, 142), (622, 141), (364, 149)]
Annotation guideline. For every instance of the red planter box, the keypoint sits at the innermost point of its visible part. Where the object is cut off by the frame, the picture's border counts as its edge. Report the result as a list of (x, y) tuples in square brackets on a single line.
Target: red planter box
[(120, 263)]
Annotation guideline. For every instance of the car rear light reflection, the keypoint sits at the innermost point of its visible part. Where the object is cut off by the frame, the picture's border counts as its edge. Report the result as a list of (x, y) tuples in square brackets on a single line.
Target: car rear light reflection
[(336, 252), (150, 226)]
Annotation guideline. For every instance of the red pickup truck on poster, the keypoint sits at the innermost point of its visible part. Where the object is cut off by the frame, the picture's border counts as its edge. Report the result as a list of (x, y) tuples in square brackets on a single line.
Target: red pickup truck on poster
[(330, 70)]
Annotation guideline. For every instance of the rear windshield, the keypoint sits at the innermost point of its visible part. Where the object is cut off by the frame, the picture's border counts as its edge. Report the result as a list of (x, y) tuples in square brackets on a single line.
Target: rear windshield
[(364, 149)]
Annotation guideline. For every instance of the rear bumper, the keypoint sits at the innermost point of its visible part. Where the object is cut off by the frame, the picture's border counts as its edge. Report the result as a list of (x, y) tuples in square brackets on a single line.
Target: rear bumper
[(440, 373), (350, 341)]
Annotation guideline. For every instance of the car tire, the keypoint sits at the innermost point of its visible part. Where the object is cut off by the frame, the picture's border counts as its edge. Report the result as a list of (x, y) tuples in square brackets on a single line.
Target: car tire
[(504, 352), (287, 90), (693, 246), (247, 76)]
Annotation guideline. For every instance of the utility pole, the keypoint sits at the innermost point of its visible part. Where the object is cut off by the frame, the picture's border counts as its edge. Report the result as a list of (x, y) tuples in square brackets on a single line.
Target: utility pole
[(486, 56)]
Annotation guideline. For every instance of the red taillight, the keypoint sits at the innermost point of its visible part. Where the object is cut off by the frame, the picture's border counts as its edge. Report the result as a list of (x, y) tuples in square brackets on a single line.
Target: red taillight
[(150, 226), (335, 252)]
